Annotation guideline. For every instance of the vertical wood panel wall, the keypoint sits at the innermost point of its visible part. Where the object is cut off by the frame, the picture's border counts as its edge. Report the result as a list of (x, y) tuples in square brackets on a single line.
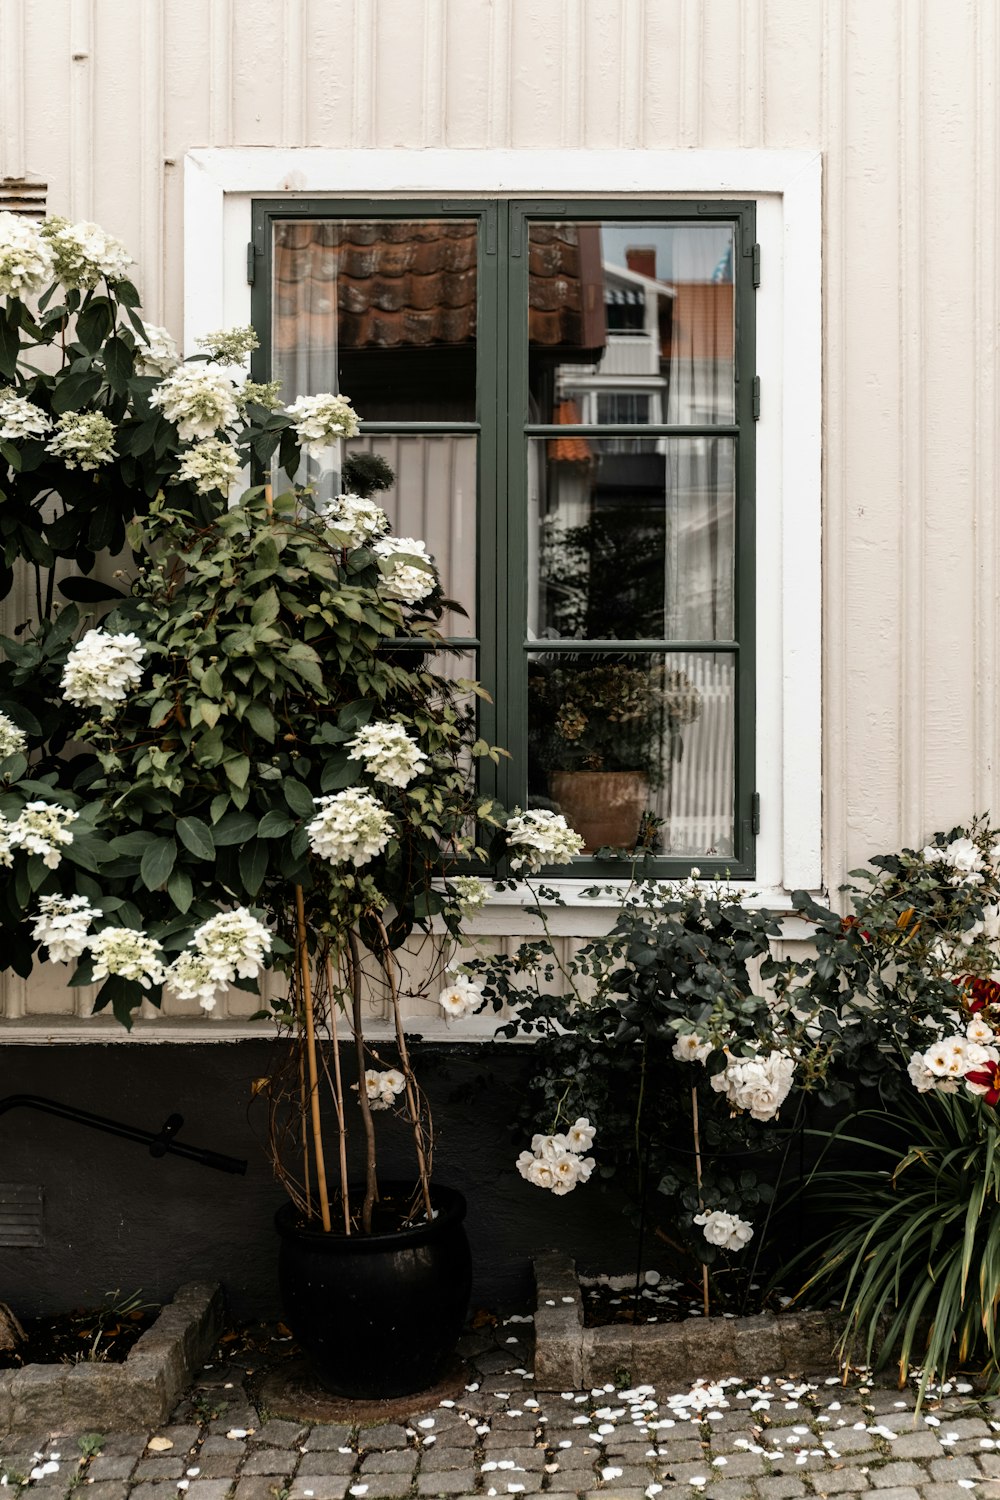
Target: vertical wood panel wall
[(101, 99)]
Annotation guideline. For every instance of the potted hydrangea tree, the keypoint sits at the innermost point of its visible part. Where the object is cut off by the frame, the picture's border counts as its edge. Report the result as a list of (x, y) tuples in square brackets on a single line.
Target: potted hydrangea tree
[(270, 767)]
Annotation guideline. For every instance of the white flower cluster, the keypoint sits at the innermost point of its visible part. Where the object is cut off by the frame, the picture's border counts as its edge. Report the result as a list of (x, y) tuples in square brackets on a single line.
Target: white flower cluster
[(460, 995), (230, 346), (197, 399), (130, 954), (213, 465), (357, 521), (409, 582), (321, 420), (42, 828), (83, 440), (691, 1048), (26, 263), (469, 892), (945, 1064), (12, 740), (726, 1230), (539, 837), (230, 945), (966, 861), (84, 254), (351, 827), (389, 753), (262, 392), (101, 669), (757, 1085), (159, 354), (381, 1089), (63, 925), (557, 1162), (21, 418)]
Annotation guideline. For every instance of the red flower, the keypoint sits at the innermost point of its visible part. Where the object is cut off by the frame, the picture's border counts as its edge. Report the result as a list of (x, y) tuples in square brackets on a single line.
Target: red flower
[(985, 992), (988, 1078)]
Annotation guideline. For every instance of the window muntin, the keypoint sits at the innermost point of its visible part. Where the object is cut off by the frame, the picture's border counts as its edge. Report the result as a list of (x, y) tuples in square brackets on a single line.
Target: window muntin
[(706, 613)]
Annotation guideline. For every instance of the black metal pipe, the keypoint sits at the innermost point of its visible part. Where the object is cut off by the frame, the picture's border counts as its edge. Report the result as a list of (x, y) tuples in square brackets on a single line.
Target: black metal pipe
[(159, 1142)]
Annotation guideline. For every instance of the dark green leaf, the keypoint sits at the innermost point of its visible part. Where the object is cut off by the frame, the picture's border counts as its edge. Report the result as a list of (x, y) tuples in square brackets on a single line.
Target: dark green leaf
[(180, 889), (196, 836), (298, 797), (157, 863), (253, 865)]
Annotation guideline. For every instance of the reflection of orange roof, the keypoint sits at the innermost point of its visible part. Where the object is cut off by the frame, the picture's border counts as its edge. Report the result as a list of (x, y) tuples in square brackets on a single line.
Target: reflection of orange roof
[(572, 450), (701, 322), (396, 283)]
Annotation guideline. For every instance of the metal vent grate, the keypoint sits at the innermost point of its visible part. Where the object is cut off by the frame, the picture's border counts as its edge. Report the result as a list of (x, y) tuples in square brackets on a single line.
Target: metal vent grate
[(20, 197), (20, 1214)]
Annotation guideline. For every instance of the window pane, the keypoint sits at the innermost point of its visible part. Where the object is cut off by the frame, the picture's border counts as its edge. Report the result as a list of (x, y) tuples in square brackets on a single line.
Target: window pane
[(619, 740), (631, 310), (433, 499), (382, 310), (631, 539)]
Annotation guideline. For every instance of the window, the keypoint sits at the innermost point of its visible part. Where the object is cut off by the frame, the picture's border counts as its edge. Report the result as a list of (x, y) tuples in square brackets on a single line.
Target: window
[(564, 392)]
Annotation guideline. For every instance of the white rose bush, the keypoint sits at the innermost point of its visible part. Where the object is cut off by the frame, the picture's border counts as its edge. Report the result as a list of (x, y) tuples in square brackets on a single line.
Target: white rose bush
[(261, 777)]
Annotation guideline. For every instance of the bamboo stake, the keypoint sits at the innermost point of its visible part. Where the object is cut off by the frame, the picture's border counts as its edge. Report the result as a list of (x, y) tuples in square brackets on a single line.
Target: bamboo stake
[(307, 1006), (697, 1173), (404, 1057), (338, 1093), (306, 1173), (371, 1184)]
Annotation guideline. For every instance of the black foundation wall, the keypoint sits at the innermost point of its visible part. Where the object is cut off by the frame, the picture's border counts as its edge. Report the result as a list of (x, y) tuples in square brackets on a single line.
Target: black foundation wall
[(115, 1218)]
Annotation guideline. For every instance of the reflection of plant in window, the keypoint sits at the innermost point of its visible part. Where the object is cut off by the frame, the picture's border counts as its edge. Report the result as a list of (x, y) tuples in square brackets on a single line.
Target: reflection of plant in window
[(612, 717), (604, 580)]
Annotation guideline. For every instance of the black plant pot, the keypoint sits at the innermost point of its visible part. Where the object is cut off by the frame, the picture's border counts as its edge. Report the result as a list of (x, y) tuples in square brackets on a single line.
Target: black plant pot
[(378, 1315)]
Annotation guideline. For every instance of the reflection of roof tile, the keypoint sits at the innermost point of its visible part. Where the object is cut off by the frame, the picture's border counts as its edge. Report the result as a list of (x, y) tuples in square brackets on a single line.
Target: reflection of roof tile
[(403, 283), (572, 450)]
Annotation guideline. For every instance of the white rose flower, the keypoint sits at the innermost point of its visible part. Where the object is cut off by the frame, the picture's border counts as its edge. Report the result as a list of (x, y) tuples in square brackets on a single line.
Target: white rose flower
[(63, 925), (541, 1174), (320, 420), (84, 254), (978, 1031), (131, 954), (920, 1075), (728, 1231), (565, 1173), (580, 1135), (460, 995), (26, 262), (101, 669), (43, 829), (13, 741), (199, 400), (21, 418), (389, 753), (691, 1048), (356, 521), (949, 1058), (381, 1088), (158, 355), (757, 1085), (84, 440), (539, 837), (351, 827), (407, 581), (212, 466)]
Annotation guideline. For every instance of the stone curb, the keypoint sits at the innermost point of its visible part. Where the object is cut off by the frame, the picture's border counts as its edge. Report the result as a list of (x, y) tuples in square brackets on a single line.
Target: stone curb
[(141, 1392), (570, 1356)]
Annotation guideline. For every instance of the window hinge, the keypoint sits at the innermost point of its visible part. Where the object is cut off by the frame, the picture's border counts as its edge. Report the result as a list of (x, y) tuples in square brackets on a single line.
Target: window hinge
[(755, 814), (251, 263), (755, 397), (756, 265)]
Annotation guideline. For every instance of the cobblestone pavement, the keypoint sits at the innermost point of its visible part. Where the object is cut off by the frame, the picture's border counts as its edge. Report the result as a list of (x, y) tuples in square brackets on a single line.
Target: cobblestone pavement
[(769, 1439)]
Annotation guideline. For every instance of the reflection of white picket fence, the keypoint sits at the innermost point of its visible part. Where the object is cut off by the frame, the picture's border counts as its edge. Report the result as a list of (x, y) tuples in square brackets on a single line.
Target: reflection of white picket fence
[(697, 801)]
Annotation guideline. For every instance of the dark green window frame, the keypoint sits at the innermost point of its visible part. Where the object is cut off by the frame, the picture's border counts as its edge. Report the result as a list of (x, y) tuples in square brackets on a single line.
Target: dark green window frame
[(503, 431)]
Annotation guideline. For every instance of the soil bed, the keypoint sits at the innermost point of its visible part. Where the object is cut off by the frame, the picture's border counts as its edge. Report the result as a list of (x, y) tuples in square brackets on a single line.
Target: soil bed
[(608, 1300), (80, 1337)]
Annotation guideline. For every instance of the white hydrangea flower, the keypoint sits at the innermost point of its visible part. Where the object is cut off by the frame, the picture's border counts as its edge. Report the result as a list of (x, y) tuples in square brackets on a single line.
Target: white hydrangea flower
[(196, 976), (389, 753), (320, 420), (230, 346), (133, 955), (199, 400), (351, 827), (409, 582), (63, 925), (470, 893), (691, 1048), (84, 253), (212, 465), (358, 521), (84, 440), (159, 354), (6, 848), (13, 741), (460, 995), (726, 1230), (382, 1088), (26, 262), (757, 1085), (43, 828), (21, 418), (231, 945), (539, 837), (101, 669)]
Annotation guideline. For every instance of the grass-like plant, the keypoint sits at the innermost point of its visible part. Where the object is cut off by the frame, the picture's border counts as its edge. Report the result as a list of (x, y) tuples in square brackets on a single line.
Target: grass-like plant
[(915, 1255)]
